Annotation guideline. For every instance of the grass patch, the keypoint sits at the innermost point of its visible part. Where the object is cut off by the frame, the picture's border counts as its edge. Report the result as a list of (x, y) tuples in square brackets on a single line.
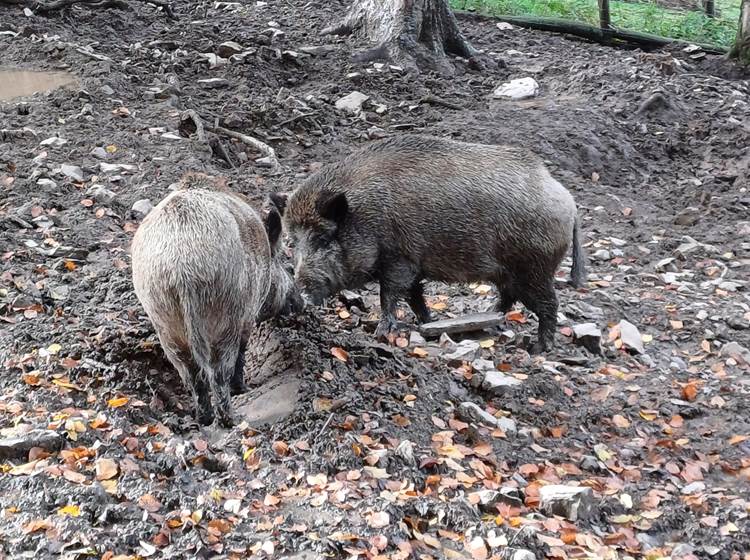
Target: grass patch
[(646, 16)]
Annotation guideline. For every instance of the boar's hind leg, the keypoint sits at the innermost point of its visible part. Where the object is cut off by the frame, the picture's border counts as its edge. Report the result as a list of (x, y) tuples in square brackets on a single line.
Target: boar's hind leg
[(237, 384), (540, 297), (418, 304), (220, 378), (396, 278), (194, 382)]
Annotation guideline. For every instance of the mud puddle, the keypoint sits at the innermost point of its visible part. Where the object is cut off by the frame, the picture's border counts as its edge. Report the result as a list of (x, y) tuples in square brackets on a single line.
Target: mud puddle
[(15, 83)]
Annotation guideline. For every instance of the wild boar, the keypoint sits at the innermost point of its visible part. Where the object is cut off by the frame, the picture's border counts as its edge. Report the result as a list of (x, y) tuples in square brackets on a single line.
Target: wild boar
[(206, 268), (416, 207)]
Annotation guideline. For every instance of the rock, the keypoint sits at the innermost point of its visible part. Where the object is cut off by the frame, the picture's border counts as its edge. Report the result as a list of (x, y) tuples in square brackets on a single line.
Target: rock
[(588, 335), (590, 463), (519, 554), (350, 298), (482, 365), (467, 323), (693, 487), (521, 88), (142, 207), (72, 171), (471, 412), (19, 447), (511, 495), (352, 103), (106, 90), (570, 502), (465, 351), (504, 26), (743, 229), (116, 167), (49, 183), (28, 13), (688, 216), (729, 286), (54, 141), (416, 339), (631, 337), (736, 351), (228, 48), (601, 255), (99, 153), (497, 383), (665, 265), (488, 500), (689, 245), (100, 194), (213, 83), (405, 450)]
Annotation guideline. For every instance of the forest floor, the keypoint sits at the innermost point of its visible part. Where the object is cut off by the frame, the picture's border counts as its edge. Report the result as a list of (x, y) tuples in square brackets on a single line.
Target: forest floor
[(425, 449)]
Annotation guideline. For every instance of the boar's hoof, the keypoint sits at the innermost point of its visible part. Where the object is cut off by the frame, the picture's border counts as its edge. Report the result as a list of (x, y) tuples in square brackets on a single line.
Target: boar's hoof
[(237, 388), (539, 347), (386, 326), (205, 417), (226, 419)]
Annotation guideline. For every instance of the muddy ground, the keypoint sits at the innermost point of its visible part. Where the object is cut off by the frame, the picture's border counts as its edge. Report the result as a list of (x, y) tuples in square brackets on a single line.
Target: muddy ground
[(381, 456)]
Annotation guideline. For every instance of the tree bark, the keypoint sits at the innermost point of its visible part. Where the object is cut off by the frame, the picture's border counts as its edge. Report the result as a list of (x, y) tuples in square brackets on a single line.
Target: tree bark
[(413, 33), (741, 49)]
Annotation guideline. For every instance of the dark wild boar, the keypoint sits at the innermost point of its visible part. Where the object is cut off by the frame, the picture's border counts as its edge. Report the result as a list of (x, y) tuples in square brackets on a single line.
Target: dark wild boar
[(206, 268), (416, 207)]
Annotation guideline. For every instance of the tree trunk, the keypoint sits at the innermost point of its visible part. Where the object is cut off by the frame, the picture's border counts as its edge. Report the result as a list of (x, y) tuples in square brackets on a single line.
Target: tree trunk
[(741, 49), (413, 33)]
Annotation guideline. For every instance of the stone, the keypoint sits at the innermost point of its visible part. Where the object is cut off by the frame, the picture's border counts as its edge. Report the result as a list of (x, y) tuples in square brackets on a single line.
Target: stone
[(116, 167), (588, 335), (228, 48), (688, 216), (72, 171), (520, 554), (601, 255), (693, 487), (106, 90), (49, 183), (665, 265), (488, 501), (736, 351), (688, 245), (54, 141), (464, 351), (213, 83), (631, 337), (504, 26), (482, 365), (100, 194), (520, 88), (142, 207), (318, 50), (467, 323), (471, 412), (18, 447), (497, 383), (570, 502), (99, 153), (730, 286), (352, 103), (416, 339)]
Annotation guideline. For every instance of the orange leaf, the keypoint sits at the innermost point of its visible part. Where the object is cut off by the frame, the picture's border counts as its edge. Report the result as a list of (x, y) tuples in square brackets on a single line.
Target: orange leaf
[(118, 402), (734, 440), (515, 316), (340, 354), (689, 391), (149, 503)]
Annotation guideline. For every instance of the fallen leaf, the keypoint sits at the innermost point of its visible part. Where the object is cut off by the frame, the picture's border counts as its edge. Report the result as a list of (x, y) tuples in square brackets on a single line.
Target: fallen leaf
[(734, 440), (378, 520), (620, 421), (690, 391), (70, 510), (149, 503), (118, 402), (516, 316), (340, 354), (106, 469), (271, 500)]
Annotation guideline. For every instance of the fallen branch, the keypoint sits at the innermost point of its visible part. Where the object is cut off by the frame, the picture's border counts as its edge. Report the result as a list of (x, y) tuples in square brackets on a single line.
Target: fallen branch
[(200, 128), (612, 36), (435, 100), (44, 7)]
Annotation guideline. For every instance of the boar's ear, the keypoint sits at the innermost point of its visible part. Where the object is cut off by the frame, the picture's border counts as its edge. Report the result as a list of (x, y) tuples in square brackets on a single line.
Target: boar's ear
[(334, 207), (272, 222), (279, 201)]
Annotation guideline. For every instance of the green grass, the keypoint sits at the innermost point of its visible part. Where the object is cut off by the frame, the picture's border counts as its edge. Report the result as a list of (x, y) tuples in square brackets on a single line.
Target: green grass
[(646, 16)]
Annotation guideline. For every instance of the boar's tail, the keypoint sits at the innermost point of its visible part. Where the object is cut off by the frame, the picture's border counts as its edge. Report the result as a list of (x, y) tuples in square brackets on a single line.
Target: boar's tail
[(578, 270)]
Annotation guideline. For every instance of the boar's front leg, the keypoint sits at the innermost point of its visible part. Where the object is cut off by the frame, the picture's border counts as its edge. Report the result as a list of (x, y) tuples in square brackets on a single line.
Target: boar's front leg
[(396, 278), (418, 304), (237, 384)]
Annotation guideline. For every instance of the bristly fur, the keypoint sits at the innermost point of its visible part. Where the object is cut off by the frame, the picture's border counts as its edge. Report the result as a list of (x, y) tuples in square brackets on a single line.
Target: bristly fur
[(205, 270), (418, 207)]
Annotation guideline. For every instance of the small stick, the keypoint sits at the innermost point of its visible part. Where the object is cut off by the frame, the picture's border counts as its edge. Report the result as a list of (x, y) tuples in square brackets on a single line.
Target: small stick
[(323, 429), (434, 100), (262, 147)]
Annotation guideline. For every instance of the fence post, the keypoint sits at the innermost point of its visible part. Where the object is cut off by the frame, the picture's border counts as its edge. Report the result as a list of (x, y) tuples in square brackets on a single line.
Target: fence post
[(604, 21), (710, 8)]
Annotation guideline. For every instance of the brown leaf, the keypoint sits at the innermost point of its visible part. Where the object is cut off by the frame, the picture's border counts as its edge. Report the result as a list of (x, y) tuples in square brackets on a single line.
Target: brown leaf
[(280, 448), (74, 476), (271, 500), (378, 520), (734, 440), (149, 503), (340, 354), (620, 421), (106, 469), (690, 391)]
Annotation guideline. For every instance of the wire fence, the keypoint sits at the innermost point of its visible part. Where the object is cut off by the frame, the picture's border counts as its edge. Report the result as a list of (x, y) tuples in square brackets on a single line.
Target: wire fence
[(708, 22)]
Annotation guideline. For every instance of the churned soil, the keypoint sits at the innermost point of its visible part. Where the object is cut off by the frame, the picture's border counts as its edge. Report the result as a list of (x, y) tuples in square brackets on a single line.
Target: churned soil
[(421, 448)]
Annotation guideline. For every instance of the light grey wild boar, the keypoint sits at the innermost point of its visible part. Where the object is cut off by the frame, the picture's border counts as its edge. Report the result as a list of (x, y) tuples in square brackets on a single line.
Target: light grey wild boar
[(206, 268), (417, 207)]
